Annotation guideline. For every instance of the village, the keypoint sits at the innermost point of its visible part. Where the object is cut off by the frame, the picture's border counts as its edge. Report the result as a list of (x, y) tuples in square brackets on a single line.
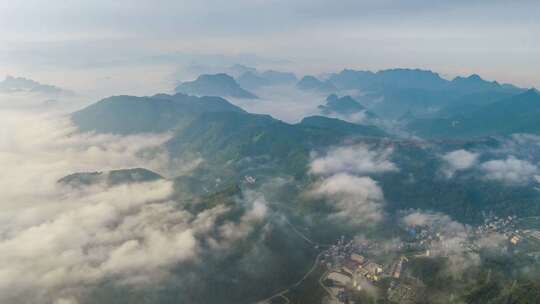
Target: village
[(348, 272), (352, 269)]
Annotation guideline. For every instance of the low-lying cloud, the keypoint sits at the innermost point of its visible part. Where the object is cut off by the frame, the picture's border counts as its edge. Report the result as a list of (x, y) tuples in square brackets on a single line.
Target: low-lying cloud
[(360, 117), (58, 241), (124, 232), (457, 161), (283, 102), (355, 159), (357, 198), (510, 170)]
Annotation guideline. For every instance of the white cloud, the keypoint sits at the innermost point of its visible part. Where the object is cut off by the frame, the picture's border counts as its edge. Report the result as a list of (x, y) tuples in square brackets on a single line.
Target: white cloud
[(231, 232), (57, 240), (66, 301), (78, 238), (510, 170), (433, 220), (356, 159), (522, 139), (358, 200), (360, 117), (457, 161)]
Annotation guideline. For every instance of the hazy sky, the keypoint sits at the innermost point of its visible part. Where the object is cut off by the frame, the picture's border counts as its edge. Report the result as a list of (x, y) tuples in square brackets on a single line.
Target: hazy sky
[(135, 46)]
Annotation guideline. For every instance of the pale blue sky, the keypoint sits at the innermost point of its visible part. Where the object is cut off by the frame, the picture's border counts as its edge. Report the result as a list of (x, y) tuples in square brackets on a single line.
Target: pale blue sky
[(67, 42)]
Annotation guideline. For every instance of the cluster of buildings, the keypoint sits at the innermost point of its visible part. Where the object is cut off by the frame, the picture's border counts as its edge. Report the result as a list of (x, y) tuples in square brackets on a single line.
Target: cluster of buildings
[(401, 293), (352, 266), (248, 179), (349, 270), (504, 225)]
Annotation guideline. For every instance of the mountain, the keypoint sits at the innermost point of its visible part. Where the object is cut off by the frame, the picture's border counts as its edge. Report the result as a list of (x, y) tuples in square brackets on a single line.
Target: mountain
[(410, 79), (346, 108), (352, 79), (394, 93), (258, 167), (470, 102), (158, 113), (474, 83), (345, 105), (277, 77), (394, 103), (227, 138), (414, 79), (340, 126), (239, 69), (111, 178), (214, 85), (517, 114), (20, 84), (393, 78), (254, 80), (219, 132), (311, 83)]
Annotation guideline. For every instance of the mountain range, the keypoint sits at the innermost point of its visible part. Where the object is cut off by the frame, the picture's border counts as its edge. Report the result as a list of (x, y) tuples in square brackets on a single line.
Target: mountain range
[(241, 155), (13, 84), (218, 131), (311, 83), (235, 143), (413, 79), (393, 93), (254, 80), (220, 84), (516, 114)]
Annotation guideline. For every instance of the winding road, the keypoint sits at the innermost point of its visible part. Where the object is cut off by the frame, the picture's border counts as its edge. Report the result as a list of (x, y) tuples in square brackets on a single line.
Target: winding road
[(306, 275)]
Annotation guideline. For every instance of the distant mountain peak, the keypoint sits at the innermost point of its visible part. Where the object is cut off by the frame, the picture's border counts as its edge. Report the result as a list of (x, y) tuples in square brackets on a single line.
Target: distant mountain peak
[(332, 98), (312, 83), (219, 84), (13, 84), (346, 108), (475, 77), (531, 92), (255, 79), (222, 76)]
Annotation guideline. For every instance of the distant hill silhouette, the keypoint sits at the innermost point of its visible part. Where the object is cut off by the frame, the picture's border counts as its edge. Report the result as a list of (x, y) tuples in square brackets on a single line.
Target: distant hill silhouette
[(20, 84), (311, 83), (254, 79), (214, 85)]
